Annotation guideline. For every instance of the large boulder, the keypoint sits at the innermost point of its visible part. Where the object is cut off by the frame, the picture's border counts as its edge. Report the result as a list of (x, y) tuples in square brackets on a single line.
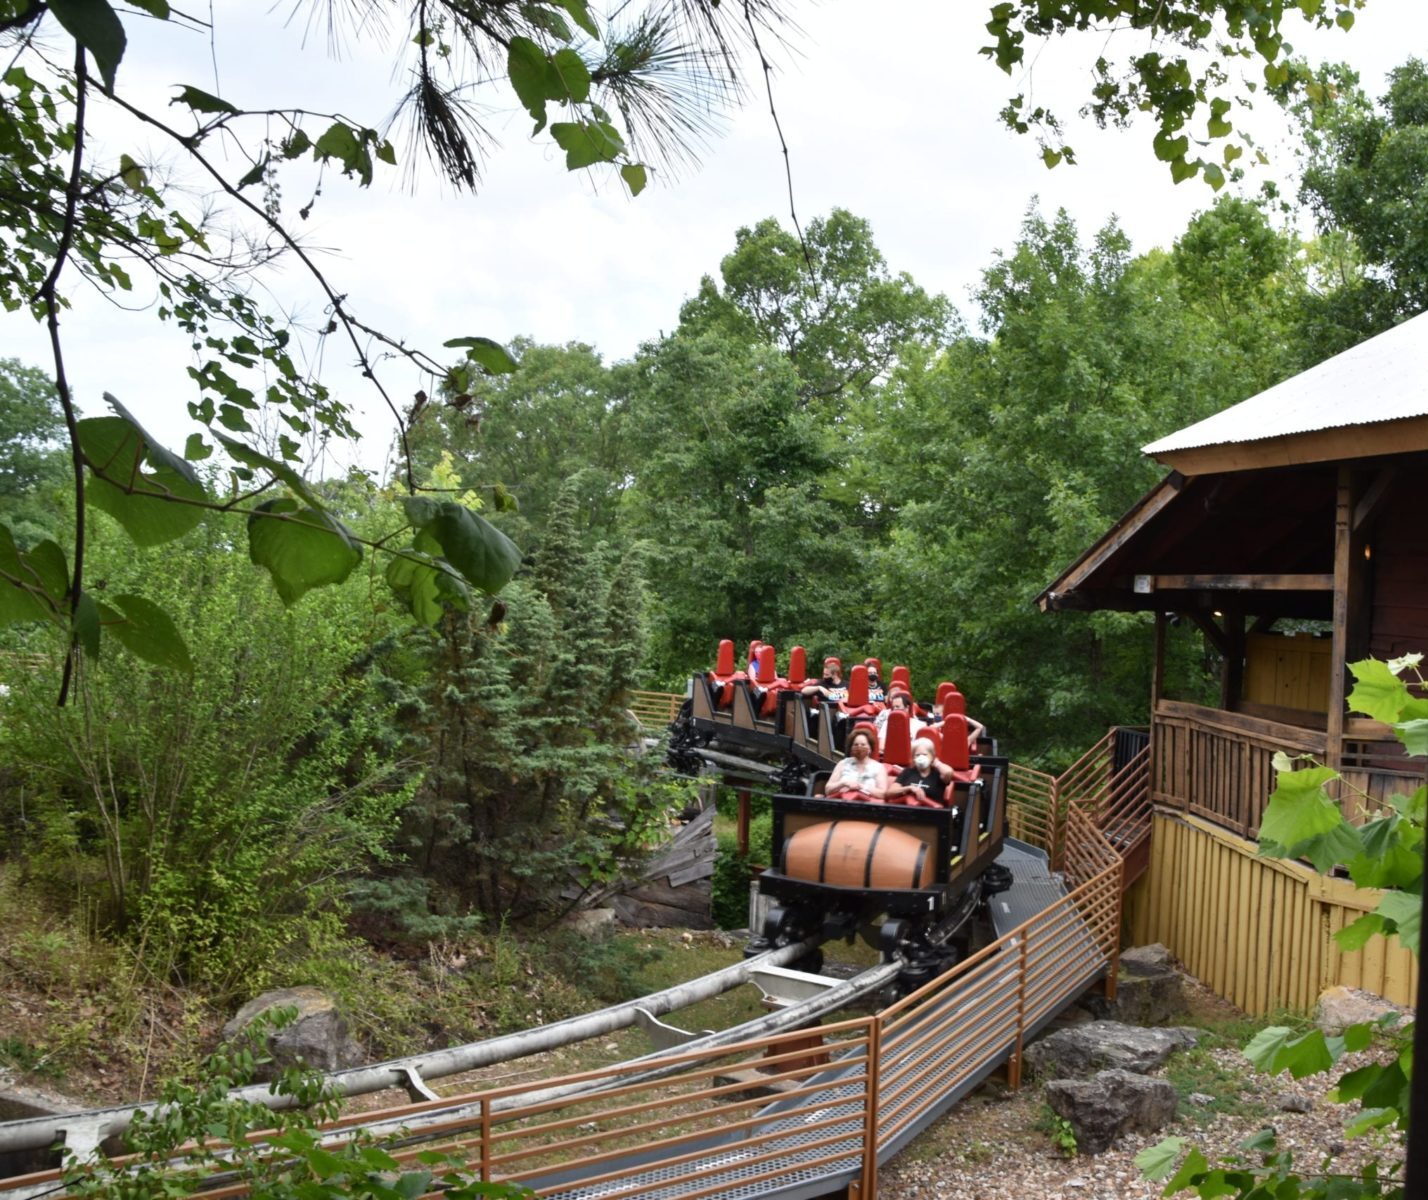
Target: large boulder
[(1110, 1104), (1098, 1045), (1340, 1007), (1149, 989), (317, 1038)]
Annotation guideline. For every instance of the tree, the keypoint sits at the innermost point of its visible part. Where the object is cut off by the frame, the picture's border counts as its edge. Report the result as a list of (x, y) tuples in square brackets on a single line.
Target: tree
[(32, 461), (826, 301), (633, 91), (1365, 179)]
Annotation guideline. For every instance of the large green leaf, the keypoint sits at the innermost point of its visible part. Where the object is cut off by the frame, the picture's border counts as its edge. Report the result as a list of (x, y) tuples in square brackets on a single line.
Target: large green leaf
[(1301, 820), (95, 26), (155, 505), (526, 67), (484, 555), (587, 142), (86, 625), (427, 585), (24, 593), (1381, 694), (245, 454), (1392, 854), (1155, 1162), (1276, 1048), (146, 631), (302, 548), (1414, 736), (491, 355), (1405, 910)]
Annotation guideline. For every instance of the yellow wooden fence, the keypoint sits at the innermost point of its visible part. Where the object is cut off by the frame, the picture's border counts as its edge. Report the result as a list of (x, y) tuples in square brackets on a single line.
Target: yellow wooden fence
[(1257, 931)]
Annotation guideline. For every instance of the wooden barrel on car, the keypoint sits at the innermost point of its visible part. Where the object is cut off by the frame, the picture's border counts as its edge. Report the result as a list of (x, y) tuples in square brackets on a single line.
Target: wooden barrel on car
[(858, 854)]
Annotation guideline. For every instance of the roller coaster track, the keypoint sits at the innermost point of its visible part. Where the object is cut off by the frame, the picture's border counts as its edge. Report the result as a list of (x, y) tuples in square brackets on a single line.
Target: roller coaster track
[(779, 1108)]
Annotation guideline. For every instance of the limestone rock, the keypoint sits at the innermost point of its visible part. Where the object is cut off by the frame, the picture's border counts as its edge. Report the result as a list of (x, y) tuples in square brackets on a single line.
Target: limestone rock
[(590, 921), (1149, 989), (318, 1037), (1110, 1104), (1339, 1007), (1081, 1049)]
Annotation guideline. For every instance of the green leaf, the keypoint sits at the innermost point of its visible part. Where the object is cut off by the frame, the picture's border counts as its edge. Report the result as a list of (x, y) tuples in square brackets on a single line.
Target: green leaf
[(1391, 855), (196, 449), (1405, 910), (1275, 1049), (483, 555), (1259, 1141), (150, 505), (1377, 692), (86, 625), (24, 595), (1356, 935), (491, 355), (635, 177), (580, 13), (201, 101), (146, 631), (1298, 811), (1371, 1118), (1414, 736), (587, 142), (1050, 157), (48, 565), (1193, 1167), (1155, 1162), (1358, 1037), (302, 548), (155, 8), (573, 74), (427, 585), (245, 454), (527, 68), (95, 26)]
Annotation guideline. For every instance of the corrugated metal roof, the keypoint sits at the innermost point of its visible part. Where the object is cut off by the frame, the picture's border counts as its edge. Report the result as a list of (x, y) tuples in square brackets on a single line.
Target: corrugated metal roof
[(1382, 379)]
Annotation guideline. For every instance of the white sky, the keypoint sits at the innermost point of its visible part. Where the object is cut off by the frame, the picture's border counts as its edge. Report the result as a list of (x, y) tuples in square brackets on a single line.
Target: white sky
[(889, 111)]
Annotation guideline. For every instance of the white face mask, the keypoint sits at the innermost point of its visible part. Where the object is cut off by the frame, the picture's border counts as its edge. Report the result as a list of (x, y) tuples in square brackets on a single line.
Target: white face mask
[(922, 762)]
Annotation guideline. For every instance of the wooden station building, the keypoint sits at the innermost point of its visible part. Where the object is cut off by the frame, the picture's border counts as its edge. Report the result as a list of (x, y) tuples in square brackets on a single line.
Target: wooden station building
[(1308, 505)]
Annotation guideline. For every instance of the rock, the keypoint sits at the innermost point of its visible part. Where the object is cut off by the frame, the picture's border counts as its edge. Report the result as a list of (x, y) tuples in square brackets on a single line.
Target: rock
[(318, 1036), (1081, 1049), (1200, 1099), (1149, 989), (1110, 1104), (1339, 1007), (1291, 1103), (587, 921)]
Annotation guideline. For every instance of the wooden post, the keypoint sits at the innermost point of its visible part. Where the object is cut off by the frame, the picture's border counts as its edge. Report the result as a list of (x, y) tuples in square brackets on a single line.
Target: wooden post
[(743, 827), (1233, 676), (1157, 672), (1014, 1062), (1350, 598), (485, 1140), (868, 1185)]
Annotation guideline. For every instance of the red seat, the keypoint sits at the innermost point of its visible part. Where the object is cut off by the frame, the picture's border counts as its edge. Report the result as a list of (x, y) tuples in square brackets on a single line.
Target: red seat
[(857, 703), (897, 738), (942, 690), (724, 660), (954, 703), (901, 677), (797, 666), (954, 749), (931, 733), (765, 666)]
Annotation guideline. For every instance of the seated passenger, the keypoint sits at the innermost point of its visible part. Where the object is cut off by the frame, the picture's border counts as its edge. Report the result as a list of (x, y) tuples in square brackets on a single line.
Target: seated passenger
[(896, 700), (831, 686), (859, 776), (926, 780), (876, 695)]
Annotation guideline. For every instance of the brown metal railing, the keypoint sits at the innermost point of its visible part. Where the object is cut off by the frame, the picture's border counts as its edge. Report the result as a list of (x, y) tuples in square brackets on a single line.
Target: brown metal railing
[(655, 710), (709, 1126)]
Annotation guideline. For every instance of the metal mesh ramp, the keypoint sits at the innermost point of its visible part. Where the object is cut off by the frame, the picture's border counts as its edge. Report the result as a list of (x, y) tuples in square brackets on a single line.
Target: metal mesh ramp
[(728, 1168)]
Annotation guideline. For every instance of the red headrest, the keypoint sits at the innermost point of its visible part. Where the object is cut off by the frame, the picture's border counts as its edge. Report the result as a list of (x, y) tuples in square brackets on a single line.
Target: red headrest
[(898, 689), (897, 740), (767, 668), (857, 687), (954, 703), (954, 742), (797, 665), (931, 734), (902, 676), (724, 661), (942, 690)]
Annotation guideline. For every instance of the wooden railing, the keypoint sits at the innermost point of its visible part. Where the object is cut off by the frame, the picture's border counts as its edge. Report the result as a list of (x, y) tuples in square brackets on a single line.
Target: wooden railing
[(1220, 765), (852, 1092), (655, 710)]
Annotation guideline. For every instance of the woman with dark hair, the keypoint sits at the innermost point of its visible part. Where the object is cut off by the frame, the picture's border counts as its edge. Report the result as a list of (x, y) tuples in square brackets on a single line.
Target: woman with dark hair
[(859, 776)]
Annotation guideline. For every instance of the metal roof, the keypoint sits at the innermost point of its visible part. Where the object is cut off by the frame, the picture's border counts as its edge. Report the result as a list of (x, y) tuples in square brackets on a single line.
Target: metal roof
[(1382, 379)]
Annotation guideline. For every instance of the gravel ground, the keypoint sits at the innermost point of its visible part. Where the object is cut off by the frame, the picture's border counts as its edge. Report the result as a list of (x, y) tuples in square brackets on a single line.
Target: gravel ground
[(997, 1146)]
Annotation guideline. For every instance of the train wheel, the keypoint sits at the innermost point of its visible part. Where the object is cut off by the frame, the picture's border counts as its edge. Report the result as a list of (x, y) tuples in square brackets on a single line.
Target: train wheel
[(892, 936), (995, 878)]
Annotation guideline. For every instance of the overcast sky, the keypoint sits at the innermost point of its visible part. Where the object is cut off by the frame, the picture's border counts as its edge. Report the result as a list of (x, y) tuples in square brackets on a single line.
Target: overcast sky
[(888, 111)]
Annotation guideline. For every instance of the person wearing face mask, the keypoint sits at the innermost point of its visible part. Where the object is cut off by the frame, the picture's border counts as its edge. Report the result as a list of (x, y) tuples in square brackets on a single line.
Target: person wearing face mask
[(876, 694), (859, 776), (831, 686), (926, 780)]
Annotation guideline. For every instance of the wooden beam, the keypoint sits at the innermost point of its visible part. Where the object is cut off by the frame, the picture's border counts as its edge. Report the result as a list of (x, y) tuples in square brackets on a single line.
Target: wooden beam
[(1234, 583), (1373, 497), (1338, 653), (1157, 672), (1232, 678), (1403, 436), (1212, 631)]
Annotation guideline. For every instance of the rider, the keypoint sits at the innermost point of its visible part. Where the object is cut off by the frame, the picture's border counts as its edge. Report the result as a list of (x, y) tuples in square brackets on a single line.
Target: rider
[(859, 776)]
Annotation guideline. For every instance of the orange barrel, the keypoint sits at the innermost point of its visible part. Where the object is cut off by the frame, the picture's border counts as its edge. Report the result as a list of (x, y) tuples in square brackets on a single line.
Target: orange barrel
[(858, 854)]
